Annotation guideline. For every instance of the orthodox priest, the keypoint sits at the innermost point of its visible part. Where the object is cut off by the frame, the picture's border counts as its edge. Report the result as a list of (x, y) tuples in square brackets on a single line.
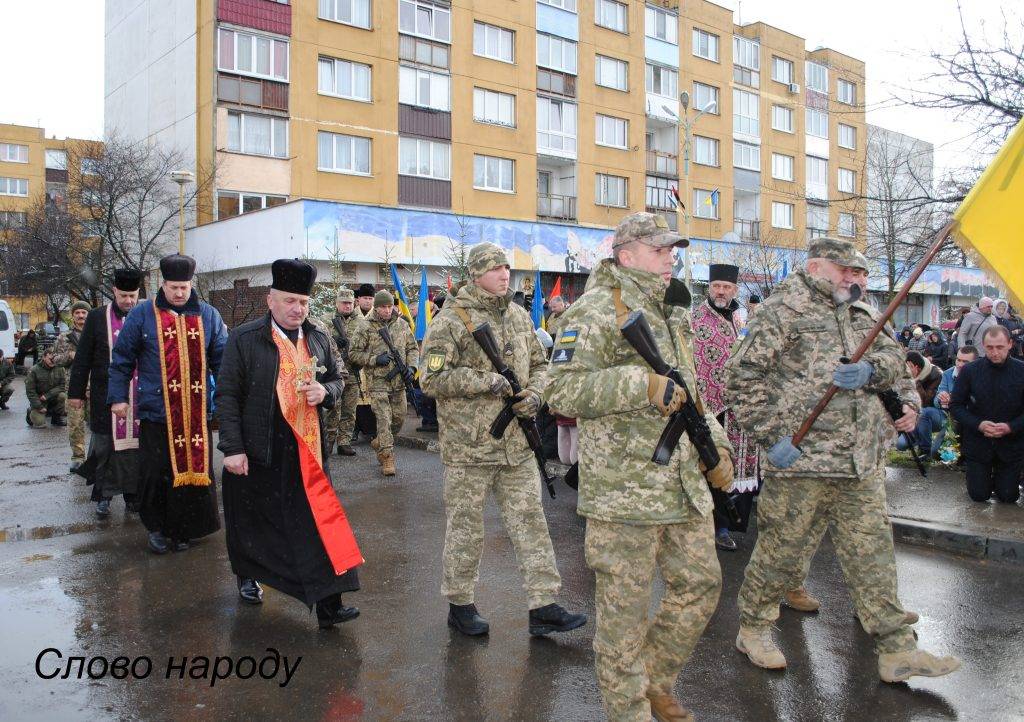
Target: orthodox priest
[(112, 467), (285, 525), (174, 343)]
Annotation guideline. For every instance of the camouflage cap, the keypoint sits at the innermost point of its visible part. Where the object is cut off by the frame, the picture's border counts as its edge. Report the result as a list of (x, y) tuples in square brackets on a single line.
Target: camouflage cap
[(649, 228), (834, 249), (485, 256), (346, 294), (862, 262), (383, 298)]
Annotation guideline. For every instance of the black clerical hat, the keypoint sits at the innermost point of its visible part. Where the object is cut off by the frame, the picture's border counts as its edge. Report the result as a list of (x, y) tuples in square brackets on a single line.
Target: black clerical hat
[(127, 279), (723, 272), (293, 276), (176, 267), (365, 289)]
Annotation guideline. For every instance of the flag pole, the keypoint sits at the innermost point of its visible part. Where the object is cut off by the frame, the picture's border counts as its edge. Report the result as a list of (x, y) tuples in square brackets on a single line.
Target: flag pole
[(929, 256)]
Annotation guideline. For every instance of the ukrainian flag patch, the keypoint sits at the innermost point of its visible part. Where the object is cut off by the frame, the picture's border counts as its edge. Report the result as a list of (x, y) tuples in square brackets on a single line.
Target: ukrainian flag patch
[(568, 336)]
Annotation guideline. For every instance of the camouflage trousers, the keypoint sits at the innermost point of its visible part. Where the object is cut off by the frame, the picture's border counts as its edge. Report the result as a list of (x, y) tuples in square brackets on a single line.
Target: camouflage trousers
[(77, 419), (633, 652), (53, 407), (6, 391), (341, 420), (792, 515), (517, 491), (389, 408)]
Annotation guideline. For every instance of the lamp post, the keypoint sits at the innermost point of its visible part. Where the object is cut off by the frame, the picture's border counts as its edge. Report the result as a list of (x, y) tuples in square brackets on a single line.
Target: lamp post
[(181, 177), (687, 124)]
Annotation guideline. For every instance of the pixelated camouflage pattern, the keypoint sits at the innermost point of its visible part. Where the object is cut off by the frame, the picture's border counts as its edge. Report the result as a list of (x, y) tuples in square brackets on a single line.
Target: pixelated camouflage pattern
[(334, 415), (389, 408), (483, 257), (836, 250), (366, 345), (649, 228), (64, 349)]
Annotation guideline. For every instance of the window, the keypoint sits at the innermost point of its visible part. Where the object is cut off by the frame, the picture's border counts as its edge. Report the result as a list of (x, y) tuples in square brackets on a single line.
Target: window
[(424, 52), (257, 134), (569, 5), (705, 151), (234, 203), (745, 113), (339, 153), (11, 220), (350, 12), (817, 76), (847, 92), (556, 53), (662, 81), (13, 186), (425, 20), (611, 190), (847, 136), (782, 167), (255, 55), (344, 79), (90, 166), (705, 45), (746, 58), (611, 73), (782, 118), (782, 215), (556, 126), (817, 172), (490, 41), (56, 160), (612, 131), (490, 106), (705, 204), (424, 88), (424, 158), (662, 25), (612, 15), (847, 180), (746, 155), (817, 123), (847, 225), (782, 70), (705, 95), (493, 174), (658, 194), (14, 153)]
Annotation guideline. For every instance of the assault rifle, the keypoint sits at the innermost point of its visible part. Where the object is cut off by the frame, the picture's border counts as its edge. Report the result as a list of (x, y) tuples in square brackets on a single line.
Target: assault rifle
[(341, 337), (400, 368), (894, 406)]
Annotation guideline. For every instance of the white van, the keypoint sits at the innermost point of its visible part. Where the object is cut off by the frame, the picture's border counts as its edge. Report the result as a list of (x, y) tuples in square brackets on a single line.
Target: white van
[(6, 329)]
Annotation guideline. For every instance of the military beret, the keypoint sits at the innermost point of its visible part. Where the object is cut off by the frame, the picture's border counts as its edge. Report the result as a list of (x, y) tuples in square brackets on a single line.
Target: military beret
[(483, 257), (834, 249)]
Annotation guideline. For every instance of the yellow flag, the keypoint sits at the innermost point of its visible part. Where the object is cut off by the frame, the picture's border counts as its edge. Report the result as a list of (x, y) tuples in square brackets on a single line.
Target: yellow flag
[(991, 218)]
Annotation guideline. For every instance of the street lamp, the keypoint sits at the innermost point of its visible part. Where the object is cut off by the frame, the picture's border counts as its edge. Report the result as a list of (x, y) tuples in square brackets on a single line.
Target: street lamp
[(181, 177)]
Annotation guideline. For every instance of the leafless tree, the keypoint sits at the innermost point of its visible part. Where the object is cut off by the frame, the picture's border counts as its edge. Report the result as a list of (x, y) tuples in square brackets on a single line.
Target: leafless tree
[(763, 262)]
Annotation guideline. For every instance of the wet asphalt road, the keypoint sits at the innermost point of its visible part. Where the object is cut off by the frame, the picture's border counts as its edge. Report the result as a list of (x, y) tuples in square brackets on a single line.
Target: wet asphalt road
[(97, 591)]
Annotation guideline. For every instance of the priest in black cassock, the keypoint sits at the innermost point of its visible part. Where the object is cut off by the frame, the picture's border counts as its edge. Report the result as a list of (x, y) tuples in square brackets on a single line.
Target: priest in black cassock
[(285, 525)]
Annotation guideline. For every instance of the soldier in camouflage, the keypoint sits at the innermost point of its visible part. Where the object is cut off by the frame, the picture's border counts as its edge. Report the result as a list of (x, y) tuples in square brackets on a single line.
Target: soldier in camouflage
[(641, 517), (63, 355), (387, 396), (469, 395), (341, 420), (788, 360), (45, 386), (7, 374)]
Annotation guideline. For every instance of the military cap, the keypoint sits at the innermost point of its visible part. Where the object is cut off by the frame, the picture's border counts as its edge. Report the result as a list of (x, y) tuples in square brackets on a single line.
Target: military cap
[(345, 294), (127, 279), (651, 229), (365, 289), (862, 262), (485, 256), (834, 249), (290, 275), (383, 298), (80, 306), (177, 268)]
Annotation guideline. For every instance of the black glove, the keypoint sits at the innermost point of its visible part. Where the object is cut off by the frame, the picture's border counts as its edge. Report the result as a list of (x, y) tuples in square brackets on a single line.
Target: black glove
[(383, 359), (410, 374)]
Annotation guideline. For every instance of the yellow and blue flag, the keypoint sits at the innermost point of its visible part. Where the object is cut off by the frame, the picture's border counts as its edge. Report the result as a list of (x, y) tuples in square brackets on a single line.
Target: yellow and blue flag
[(403, 303), (712, 200), (537, 310), (423, 315)]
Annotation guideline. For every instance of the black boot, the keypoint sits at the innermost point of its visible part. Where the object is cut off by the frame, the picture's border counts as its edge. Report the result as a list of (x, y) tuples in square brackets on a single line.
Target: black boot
[(330, 611), (179, 545), (58, 421), (346, 450), (250, 591), (553, 618), (467, 620), (158, 543)]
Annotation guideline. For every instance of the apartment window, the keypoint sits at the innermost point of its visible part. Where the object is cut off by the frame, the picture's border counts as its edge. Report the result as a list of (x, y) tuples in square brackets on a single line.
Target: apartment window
[(611, 73), (611, 190), (658, 193), (817, 219), (746, 58), (847, 136), (705, 151), (424, 158), (847, 92), (556, 126), (746, 155), (782, 167), (12, 220), (255, 55), (13, 186), (569, 5), (344, 79), (662, 25), (782, 70), (257, 134), (13, 153), (705, 95), (493, 174), (490, 41), (90, 166), (56, 160), (705, 204), (423, 52), (817, 123), (847, 225), (817, 171), (490, 106), (234, 203), (817, 76), (425, 20), (349, 12), (424, 88), (847, 180), (662, 81), (556, 53), (782, 118), (612, 15), (339, 153), (611, 131), (745, 113), (705, 45), (782, 215)]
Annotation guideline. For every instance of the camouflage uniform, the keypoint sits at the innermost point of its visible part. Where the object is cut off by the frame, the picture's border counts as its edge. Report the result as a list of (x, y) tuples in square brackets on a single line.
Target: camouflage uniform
[(341, 419), (6, 378), (640, 516), (63, 355), (51, 383), (777, 375)]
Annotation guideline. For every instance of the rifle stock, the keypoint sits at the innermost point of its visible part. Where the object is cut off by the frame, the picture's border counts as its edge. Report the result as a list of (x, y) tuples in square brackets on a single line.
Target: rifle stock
[(894, 407), (400, 369)]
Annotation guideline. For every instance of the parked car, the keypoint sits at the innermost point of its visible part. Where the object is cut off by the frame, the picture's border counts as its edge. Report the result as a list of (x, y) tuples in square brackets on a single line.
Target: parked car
[(8, 344), (47, 333)]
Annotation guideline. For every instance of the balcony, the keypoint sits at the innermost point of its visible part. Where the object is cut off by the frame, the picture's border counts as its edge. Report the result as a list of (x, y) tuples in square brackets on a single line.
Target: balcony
[(662, 163), (556, 207), (813, 233), (747, 230), (669, 215)]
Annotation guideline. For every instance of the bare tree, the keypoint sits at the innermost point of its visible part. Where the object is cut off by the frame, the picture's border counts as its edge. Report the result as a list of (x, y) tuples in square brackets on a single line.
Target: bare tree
[(763, 261)]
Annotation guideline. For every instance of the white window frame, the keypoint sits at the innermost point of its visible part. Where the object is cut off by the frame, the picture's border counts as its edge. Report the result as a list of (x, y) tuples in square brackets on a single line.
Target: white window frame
[(338, 67), (12, 220), (567, 114), (619, 68), (241, 196), (698, 91), (408, 74), (780, 213), (851, 132), (13, 186), (669, 25), (706, 151), (425, 152), (484, 33), (746, 155), (846, 181), (275, 43), (710, 41), (506, 171), (353, 141), (567, 52), (746, 53), (62, 164), (436, 12), (569, 5), (786, 77), (816, 172), (781, 163), (13, 153), (603, 190), (701, 207), (816, 76), (846, 92), (847, 225), (485, 99), (243, 119), (742, 102), (816, 123), (618, 9), (781, 112), (664, 74), (351, 6), (604, 123)]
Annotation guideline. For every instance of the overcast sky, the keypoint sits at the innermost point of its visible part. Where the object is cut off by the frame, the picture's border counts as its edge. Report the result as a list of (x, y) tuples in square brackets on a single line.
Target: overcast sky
[(53, 56)]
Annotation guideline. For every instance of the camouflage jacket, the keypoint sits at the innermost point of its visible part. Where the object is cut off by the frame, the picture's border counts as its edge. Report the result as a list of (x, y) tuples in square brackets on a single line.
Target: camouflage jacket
[(458, 374), (784, 366), (44, 381), (328, 330), (366, 345), (597, 378), (554, 323), (64, 348), (349, 324), (7, 372)]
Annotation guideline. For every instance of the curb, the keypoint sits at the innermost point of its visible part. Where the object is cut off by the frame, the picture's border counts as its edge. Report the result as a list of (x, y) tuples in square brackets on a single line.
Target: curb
[(957, 540)]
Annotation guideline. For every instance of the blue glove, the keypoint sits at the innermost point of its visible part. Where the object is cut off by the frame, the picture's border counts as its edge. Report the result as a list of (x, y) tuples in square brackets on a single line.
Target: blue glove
[(852, 376), (783, 455)]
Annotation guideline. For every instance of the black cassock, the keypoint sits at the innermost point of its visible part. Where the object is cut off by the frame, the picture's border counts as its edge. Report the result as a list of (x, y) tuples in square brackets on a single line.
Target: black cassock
[(271, 534)]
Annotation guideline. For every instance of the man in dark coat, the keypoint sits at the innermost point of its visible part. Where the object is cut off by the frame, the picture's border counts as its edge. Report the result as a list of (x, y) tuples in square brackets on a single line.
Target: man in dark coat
[(285, 524)]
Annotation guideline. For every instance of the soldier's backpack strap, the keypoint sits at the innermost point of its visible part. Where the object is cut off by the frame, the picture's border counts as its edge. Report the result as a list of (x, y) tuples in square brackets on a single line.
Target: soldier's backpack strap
[(621, 309), (464, 315)]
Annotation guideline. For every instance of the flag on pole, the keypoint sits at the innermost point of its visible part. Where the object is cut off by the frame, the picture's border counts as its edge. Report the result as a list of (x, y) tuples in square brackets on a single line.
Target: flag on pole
[(423, 314), (537, 310), (403, 302), (712, 200), (990, 224), (556, 290)]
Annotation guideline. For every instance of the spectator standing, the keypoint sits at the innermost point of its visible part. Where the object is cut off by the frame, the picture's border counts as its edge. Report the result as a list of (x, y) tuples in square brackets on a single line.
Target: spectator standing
[(1006, 318), (936, 350), (927, 378), (975, 322)]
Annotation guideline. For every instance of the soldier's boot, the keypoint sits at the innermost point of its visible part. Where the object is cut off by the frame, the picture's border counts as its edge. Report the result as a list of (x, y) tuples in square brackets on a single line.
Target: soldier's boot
[(374, 444), (554, 618), (466, 619), (760, 648), (800, 600), (387, 463), (901, 666), (666, 708), (346, 450)]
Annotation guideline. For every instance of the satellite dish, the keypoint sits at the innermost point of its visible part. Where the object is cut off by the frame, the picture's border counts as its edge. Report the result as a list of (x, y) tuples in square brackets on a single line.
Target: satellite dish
[(731, 237)]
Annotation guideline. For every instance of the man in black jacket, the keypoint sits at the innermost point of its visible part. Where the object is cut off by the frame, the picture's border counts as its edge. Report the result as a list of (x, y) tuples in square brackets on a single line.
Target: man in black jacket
[(988, 401), (285, 526)]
